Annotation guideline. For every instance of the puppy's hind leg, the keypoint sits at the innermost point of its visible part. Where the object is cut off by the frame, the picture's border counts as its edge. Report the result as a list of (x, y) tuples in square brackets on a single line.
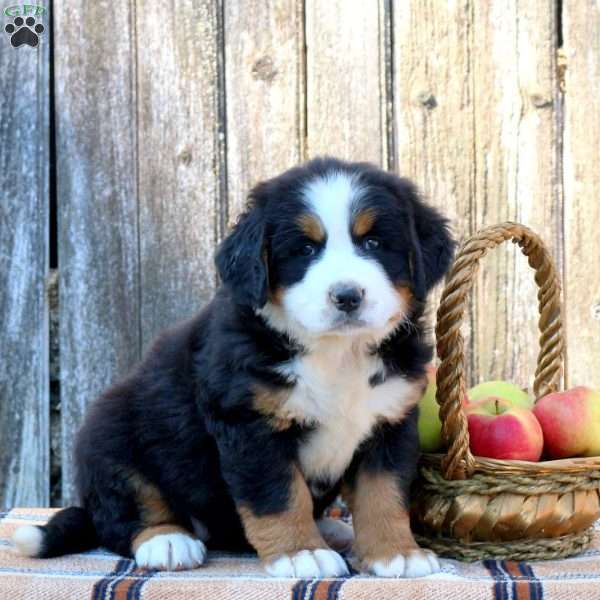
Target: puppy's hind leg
[(132, 519), (161, 543)]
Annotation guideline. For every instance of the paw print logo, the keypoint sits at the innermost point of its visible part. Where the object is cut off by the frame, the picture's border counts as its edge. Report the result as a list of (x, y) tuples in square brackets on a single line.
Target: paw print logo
[(24, 31)]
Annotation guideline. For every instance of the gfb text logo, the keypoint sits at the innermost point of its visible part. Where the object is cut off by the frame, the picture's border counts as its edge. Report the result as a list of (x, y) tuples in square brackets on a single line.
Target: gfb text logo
[(25, 27)]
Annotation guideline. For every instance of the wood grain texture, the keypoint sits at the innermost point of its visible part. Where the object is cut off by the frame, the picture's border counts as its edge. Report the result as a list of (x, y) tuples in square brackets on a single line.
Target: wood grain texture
[(581, 28), (96, 177), (264, 93), (24, 201), (345, 80), (433, 113), (516, 175), (179, 157), (476, 126)]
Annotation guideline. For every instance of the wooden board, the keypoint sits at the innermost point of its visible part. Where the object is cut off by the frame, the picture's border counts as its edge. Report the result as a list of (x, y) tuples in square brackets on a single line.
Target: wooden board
[(516, 174), (24, 198), (476, 127), (346, 80), (264, 87), (98, 234), (179, 145), (433, 113), (581, 27)]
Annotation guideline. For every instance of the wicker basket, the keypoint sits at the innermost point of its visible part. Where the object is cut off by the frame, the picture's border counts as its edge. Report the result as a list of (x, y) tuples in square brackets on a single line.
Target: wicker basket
[(473, 508)]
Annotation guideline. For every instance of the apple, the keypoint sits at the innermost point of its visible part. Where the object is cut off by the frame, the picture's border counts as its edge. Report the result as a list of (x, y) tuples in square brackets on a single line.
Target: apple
[(570, 421), (501, 389), (429, 424), (498, 429)]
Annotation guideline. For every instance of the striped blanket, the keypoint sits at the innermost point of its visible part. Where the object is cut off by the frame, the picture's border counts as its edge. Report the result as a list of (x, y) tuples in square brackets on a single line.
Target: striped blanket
[(100, 575)]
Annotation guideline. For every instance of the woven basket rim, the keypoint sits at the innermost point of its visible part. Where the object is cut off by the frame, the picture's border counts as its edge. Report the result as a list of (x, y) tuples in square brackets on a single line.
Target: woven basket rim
[(495, 466)]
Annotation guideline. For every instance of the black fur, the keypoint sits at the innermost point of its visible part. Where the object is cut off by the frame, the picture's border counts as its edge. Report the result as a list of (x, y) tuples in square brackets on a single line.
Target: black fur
[(184, 419), (58, 536), (240, 260)]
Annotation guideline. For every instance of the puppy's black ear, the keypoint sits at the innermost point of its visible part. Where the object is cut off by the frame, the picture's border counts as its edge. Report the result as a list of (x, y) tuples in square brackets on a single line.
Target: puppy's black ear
[(241, 260), (433, 247), (432, 244)]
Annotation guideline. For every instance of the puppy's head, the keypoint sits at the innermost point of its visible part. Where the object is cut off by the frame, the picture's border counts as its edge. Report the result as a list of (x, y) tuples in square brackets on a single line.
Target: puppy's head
[(334, 248)]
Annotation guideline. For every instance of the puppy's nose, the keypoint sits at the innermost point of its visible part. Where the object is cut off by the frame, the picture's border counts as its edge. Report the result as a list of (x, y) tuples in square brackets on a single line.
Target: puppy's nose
[(346, 297)]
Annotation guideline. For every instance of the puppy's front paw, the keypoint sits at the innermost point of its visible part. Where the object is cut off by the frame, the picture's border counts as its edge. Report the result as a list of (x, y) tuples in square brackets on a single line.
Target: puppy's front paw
[(416, 563), (308, 564), (171, 552)]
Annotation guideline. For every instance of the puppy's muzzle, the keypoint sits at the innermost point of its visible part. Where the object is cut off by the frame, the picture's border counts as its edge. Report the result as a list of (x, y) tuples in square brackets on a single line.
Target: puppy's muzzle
[(346, 297)]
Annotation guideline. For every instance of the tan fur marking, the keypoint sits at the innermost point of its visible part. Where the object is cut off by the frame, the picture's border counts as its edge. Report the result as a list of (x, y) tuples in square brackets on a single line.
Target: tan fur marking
[(149, 532), (271, 404), (287, 532), (153, 508), (403, 290), (311, 226), (276, 296), (381, 522), (406, 297), (363, 222)]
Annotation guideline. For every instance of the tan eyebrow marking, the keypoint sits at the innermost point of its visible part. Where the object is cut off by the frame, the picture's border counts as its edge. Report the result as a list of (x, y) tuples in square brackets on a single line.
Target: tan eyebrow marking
[(363, 222), (311, 226)]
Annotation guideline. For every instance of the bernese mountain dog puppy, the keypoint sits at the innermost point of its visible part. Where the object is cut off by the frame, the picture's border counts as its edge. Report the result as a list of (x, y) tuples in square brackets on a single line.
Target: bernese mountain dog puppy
[(297, 383)]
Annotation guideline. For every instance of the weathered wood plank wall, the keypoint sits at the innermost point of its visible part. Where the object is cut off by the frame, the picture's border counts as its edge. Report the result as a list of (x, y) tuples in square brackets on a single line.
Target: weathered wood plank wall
[(433, 133), (581, 179), (345, 80), (264, 83), (179, 157), (514, 173), (99, 274), (164, 123), (24, 256)]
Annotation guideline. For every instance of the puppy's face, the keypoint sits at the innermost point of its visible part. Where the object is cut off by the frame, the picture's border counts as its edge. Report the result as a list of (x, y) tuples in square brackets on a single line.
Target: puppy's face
[(334, 248), (336, 265)]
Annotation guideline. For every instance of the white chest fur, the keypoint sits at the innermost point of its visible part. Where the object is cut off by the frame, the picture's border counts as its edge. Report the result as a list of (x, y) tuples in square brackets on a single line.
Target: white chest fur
[(333, 394)]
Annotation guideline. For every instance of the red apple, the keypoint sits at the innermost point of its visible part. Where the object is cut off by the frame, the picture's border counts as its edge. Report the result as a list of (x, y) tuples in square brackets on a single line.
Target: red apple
[(497, 429), (570, 421)]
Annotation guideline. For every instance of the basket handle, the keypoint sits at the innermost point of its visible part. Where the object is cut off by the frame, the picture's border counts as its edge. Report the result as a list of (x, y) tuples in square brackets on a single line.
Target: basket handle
[(459, 462)]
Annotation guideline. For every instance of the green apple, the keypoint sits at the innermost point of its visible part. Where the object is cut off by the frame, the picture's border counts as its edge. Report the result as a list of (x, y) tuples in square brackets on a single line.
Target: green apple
[(429, 424), (501, 389)]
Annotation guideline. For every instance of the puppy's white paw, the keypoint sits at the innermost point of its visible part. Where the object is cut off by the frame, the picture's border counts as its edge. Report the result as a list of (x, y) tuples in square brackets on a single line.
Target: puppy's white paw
[(417, 563), (337, 534), (171, 552), (308, 564)]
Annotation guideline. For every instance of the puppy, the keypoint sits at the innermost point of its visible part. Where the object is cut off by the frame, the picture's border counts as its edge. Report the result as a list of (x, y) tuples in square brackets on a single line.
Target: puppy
[(298, 382)]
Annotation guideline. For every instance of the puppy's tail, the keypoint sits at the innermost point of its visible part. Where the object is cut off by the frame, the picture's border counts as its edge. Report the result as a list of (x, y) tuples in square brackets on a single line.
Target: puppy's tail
[(69, 531)]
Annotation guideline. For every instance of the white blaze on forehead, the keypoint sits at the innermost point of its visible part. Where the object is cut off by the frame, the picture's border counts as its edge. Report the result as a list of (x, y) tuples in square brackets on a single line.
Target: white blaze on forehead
[(331, 197)]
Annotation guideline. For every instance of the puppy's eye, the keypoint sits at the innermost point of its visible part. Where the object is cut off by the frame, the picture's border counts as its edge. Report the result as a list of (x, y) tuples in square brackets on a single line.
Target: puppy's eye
[(371, 243), (307, 250)]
